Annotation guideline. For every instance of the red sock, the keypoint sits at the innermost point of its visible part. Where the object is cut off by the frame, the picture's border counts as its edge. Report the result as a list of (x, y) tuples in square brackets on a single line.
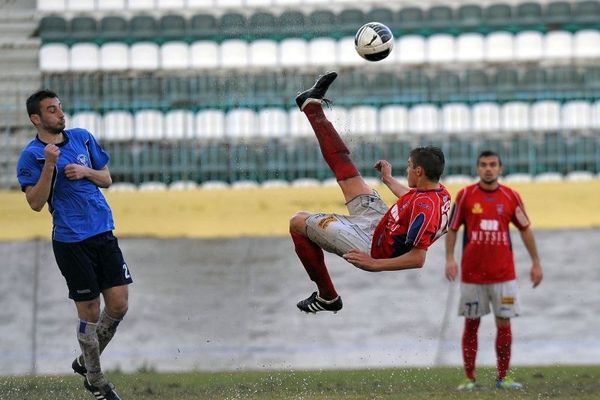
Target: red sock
[(503, 346), (469, 346), (334, 151), (313, 260)]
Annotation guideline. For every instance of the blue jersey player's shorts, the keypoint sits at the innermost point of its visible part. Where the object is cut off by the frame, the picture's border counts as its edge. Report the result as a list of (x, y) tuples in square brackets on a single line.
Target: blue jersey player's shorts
[(92, 265)]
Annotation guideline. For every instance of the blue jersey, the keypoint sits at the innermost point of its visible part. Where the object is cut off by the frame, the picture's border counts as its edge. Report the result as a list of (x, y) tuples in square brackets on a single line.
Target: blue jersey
[(78, 208)]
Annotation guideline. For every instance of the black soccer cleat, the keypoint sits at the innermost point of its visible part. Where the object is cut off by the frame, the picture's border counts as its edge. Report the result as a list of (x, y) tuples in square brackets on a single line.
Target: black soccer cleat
[(317, 91), (106, 392), (79, 367), (313, 304)]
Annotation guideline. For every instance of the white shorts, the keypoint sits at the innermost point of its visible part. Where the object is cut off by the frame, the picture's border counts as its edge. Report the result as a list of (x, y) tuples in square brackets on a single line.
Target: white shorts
[(475, 299), (339, 234)]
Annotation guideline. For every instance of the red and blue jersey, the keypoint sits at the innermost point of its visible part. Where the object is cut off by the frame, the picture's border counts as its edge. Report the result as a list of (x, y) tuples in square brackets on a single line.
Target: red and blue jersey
[(487, 248), (418, 219)]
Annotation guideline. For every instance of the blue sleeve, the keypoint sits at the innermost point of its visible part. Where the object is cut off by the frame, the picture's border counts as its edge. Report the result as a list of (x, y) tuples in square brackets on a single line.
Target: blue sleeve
[(99, 157), (29, 169)]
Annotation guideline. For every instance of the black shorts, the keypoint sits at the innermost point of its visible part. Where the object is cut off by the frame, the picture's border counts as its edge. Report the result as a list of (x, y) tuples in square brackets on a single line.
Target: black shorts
[(92, 265)]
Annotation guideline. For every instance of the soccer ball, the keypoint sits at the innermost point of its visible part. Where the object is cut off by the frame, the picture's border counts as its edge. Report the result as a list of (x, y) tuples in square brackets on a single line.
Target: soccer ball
[(374, 41)]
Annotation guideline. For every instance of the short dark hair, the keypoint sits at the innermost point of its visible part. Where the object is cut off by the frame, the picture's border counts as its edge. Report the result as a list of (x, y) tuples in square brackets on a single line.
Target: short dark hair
[(33, 101), (431, 159), (489, 153)]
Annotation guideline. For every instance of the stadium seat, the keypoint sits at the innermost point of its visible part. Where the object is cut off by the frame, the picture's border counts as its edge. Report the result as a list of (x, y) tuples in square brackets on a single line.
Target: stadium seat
[(146, 92), (595, 113), (299, 125), (110, 5), (210, 124), (293, 52), (446, 87), (230, 3), (529, 46), (262, 25), (118, 126), (54, 57), (393, 120), (114, 56), (173, 28), (515, 116), (90, 120), (456, 118), (576, 115), (263, 53), (51, 5), (53, 29), (567, 83), (545, 115), (170, 4), (116, 93), (140, 4), (423, 119), (469, 18), (383, 15), (476, 87), (340, 118), (586, 44), (84, 57), (80, 5), (233, 25), (179, 124), (470, 47), (363, 120), (204, 27), (586, 15), (321, 23), (440, 49), (144, 56), (499, 47), (347, 55), (83, 29), (149, 125), (415, 88), (411, 49), (233, 53), (273, 122), (486, 117), (322, 51), (112, 29), (409, 21), (528, 16), (143, 28), (498, 17), (204, 54), (506, 82), (557, 14), (241, 123), (291, 23), (440, 19), (175, 55), (348, 21), (558, 45)]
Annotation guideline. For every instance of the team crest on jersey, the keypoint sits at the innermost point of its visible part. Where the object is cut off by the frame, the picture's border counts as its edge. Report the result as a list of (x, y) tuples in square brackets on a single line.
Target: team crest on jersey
[(82, 158), (500, 208), (477, 209)]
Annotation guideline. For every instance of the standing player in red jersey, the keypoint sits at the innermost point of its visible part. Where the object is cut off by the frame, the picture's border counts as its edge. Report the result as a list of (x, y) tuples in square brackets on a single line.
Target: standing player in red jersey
[(372, 237), (488, 274)]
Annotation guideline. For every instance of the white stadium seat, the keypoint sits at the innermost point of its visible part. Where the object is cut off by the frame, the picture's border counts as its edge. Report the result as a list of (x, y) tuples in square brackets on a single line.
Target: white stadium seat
[(456, 118), (340, 118), (529, 46), (545, 115), (170, 4), (595, 109), (179, 124), (558, 45), (149, 125), (84, 57), (363, 120), (111, 4), (51, 5), (114, 56), (410, 49), (204, 54), (175, 55), (210, 124), (299, 125), (258, 3), (118, 125), (92, 121), (322, 51), (469, 47), (586, 44), (140, 4), (81, 5), (423, 119), (440, 48), (144, 56), (230, 3), (576, 115), (347, 54), (515, 116), (241, 122), (486, 117), (263, 53), (499, 47), (273, 122), (293, 52), (54, 57), (233, 53), (393, 120)]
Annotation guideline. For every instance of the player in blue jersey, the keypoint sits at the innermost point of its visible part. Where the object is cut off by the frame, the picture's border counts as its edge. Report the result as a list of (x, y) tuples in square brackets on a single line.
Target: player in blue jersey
[(65, 168)]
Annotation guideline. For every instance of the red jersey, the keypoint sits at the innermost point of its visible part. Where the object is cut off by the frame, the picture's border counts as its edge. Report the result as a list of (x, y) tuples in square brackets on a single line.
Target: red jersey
[(416, 220), (487, 249)]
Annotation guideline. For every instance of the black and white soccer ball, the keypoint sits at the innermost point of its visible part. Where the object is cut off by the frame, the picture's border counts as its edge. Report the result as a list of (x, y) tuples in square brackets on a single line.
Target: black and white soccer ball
[(374, 41)]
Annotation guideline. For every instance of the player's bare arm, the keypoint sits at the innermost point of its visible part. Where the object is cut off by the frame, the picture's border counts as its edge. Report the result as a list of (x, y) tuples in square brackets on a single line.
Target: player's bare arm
[(100, 177), (415, 258), (37, 195), (536, 273), (451, 264), (385, 170)]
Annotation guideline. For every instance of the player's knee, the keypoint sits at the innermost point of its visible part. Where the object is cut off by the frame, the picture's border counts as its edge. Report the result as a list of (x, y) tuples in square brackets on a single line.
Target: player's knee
[(118, 309), (298, 222)]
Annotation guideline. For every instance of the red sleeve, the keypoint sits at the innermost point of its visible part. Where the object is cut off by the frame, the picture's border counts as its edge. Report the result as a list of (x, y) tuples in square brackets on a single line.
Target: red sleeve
[(520, 218), (457, 215)]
